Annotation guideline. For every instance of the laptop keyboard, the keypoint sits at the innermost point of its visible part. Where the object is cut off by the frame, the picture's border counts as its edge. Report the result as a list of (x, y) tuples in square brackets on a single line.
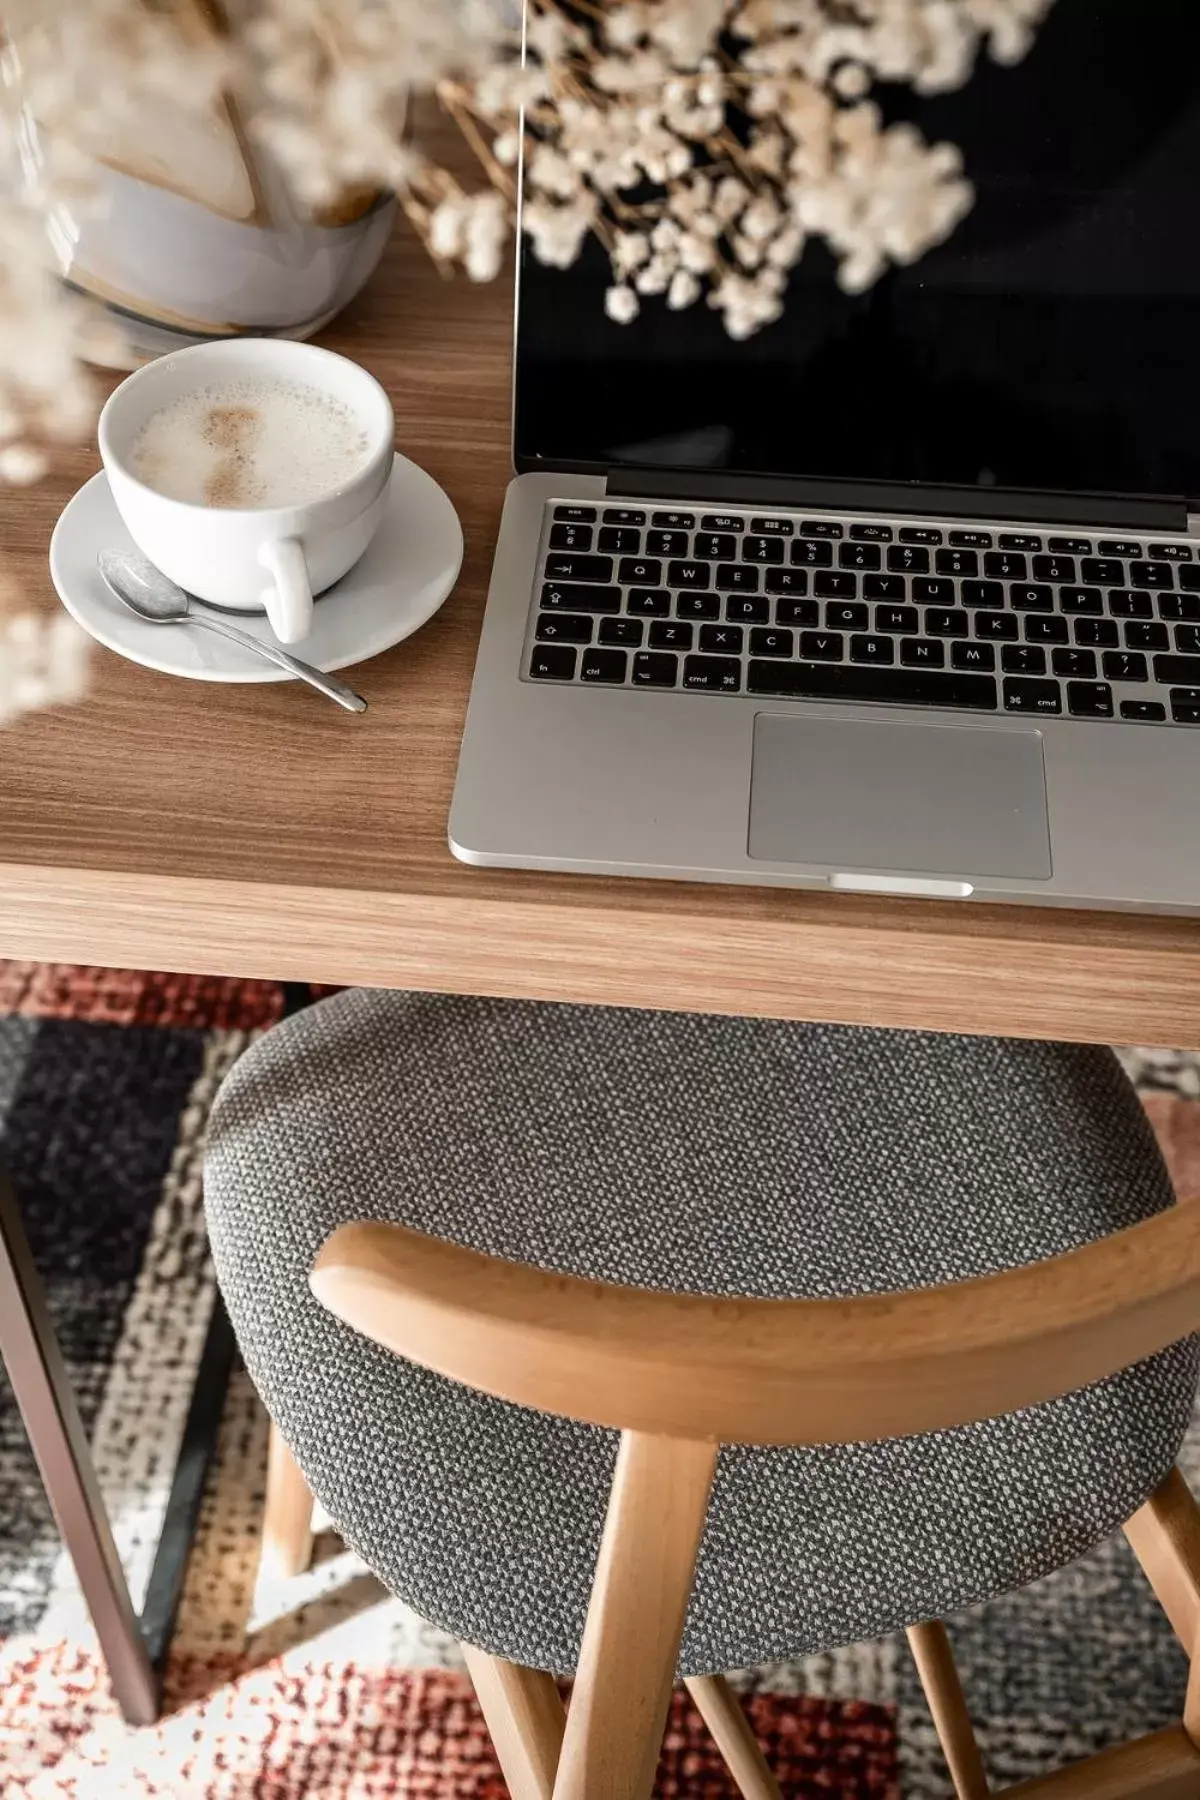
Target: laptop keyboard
[(785, 606)]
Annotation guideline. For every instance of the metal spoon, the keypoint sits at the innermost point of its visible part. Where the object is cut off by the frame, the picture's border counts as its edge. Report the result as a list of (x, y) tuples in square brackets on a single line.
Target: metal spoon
[(147, 592)]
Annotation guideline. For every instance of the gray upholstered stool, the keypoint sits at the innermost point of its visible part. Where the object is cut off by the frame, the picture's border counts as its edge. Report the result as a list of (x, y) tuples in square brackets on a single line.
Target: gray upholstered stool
[(697, 1155)]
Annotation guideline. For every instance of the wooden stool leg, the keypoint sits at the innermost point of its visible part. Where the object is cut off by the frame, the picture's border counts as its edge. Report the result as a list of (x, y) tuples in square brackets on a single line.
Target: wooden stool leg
[(1164, 1535), (525, 1716), (943, 1690), (722, 1712), (287, 1517)]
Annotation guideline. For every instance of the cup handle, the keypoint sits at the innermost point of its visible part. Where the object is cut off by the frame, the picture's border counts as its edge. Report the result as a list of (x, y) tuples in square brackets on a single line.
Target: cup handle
[(289, 603)]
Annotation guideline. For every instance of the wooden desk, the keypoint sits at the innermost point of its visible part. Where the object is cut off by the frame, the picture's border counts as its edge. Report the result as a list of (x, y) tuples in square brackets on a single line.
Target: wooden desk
[(257, 831)]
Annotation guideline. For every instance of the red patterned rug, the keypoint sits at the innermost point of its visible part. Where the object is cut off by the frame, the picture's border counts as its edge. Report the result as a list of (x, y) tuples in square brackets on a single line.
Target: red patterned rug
[(326, 1687)]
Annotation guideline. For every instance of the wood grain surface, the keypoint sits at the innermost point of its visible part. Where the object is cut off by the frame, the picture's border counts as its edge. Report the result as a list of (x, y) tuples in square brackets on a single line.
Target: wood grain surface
[(257, 831)]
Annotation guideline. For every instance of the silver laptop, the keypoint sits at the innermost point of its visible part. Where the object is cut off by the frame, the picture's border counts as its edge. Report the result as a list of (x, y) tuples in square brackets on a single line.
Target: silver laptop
[(902, 596)]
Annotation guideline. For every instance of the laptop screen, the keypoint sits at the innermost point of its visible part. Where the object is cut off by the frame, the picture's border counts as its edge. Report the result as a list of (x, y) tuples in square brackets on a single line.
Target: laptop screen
[(1053, 342)]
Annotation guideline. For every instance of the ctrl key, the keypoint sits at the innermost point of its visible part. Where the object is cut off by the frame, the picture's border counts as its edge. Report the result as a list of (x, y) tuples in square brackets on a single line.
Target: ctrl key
[(552, 662)]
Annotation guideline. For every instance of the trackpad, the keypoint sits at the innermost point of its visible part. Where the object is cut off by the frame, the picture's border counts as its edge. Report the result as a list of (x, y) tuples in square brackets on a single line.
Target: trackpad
[(931, 799)]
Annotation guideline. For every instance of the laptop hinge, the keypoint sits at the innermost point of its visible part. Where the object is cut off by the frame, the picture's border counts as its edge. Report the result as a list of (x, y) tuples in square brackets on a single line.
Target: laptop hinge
[(1114, 510)]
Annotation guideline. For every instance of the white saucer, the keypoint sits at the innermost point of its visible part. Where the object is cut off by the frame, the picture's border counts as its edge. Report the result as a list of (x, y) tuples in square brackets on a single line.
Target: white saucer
[(409, 568)]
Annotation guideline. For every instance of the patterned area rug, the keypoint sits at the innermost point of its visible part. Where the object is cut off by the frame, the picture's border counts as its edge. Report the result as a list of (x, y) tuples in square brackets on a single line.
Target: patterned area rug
[(325, 1686)]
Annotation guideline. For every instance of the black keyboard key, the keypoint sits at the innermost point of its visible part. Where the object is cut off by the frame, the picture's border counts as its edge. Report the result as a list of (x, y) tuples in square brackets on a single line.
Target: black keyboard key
[(1170, 669), (879, 534), (565, 596), (856, 681), (552, 662), (639, 571), (773, 527), (722, 640), (945, 622), (623, 515), (1089, 700), (1125, 665), (920, 534), (578, 537), (1046, 628), (767, 641), (689, 575), (563, 628), (872, 650), (1023, 659), (897, 618), (957, 562), (972, 656), (1080, 600), (1103, 568), (722, 522), (1019, 540), (698, 606), (860, 556), (786, 581), (1064, 546), (648, 603), (655, 668), (1190, 580), (812, 554), (1187, 639), (1030, 598), (1145, 712), (797, 612), (996, 625), (883, 587), (922, 653), (747, 609), (579, 568), (1029, 696), (835, 584), (675, 521), (1185, 706), (623, 540), (666, 543), (1073, 662), (712, 674), (1130, 603), (821, 646), (847, 615), (627, 632), (1055, 568), (603, 665), (1005, 565), (576, 515), (1152, 574), (670, 634), (908, 559), (714, 546), (1171, 552), (1119, 547), (1096, 634), (739, 577), (818, 528), (1184, 608), (762, 550), (972, 540), (1148, 634), (933, 590), (981, 593)]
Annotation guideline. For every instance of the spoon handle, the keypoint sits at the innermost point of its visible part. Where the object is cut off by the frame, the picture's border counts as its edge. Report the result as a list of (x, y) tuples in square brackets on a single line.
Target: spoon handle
[(326, 684)]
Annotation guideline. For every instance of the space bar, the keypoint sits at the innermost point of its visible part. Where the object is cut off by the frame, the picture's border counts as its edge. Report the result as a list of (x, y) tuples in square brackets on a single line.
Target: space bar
[(854, 681)]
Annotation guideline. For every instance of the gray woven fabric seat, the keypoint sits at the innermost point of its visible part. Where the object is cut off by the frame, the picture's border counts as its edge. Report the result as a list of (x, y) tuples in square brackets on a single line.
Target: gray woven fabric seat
[(698, 1154)]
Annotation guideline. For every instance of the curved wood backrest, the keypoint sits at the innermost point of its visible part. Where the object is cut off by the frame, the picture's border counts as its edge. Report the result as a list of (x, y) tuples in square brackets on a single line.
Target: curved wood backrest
[(768, 1371)]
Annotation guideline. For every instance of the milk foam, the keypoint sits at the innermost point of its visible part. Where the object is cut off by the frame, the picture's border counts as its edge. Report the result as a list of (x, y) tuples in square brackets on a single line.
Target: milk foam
[(252, 442)]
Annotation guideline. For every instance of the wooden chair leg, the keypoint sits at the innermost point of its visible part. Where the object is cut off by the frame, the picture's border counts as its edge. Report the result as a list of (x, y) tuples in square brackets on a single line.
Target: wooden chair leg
[(644, 1571), (943, 1690), (1165, 1537), (722, 1712), (525, 1715), (287, 1517)]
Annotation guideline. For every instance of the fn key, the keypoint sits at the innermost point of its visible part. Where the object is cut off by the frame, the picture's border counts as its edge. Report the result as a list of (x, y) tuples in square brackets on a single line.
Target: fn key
[(552, 662)]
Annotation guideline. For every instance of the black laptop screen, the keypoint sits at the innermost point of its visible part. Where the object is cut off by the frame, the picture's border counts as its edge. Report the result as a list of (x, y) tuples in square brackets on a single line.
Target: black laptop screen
[(1052, 343)]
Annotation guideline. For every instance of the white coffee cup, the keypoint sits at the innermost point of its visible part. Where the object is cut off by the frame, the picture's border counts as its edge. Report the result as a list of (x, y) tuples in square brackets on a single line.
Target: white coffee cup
[(252, 558)]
